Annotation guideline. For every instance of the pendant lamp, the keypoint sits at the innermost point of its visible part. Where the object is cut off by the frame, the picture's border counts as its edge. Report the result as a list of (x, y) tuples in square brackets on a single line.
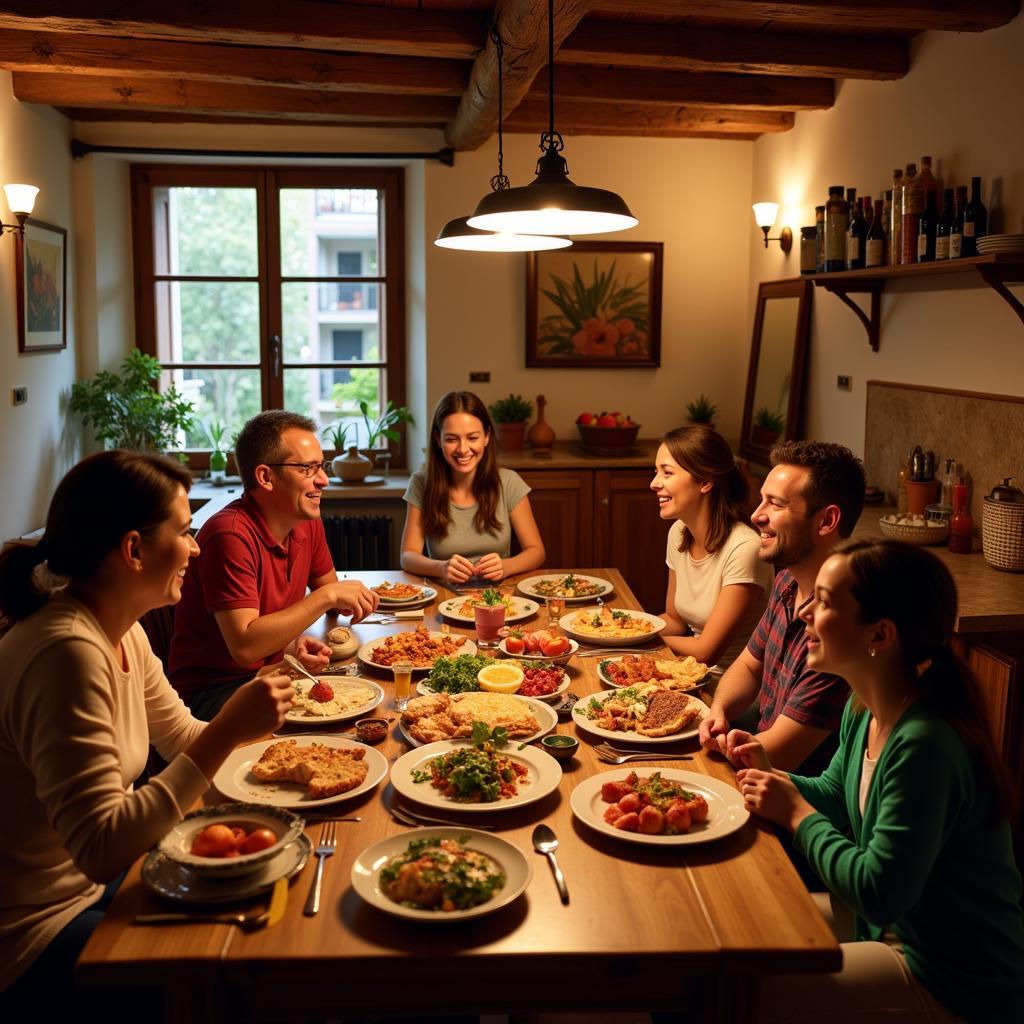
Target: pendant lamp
[(552, 204), (457, 234)]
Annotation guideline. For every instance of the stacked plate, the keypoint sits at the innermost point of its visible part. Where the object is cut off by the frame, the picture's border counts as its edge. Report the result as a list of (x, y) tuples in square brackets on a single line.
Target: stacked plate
[(1001, 243)]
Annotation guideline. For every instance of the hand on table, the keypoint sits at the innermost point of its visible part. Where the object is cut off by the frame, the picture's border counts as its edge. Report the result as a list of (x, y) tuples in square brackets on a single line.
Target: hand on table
[(350, 597), (457, 570), (313, 654), (772, 795), (490, 567), (258, 706)]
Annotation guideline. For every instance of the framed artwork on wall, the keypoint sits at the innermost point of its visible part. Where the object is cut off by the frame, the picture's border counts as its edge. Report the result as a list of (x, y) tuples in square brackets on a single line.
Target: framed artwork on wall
[(42, 268), (594, 304)]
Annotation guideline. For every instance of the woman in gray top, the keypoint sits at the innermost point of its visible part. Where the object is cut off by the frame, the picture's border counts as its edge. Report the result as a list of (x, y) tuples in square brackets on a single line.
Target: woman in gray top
[(462, 508)]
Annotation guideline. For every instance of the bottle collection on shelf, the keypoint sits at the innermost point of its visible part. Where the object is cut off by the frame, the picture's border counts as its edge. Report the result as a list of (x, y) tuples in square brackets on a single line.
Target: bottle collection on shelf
[(916, 222), (916, 487)]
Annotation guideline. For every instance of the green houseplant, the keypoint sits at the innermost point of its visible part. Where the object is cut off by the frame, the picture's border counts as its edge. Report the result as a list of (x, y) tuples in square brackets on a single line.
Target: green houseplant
[(215, 428), (347, 465), (766, 427), (383, 428), (510, 416), (127, 411), (702, 410)]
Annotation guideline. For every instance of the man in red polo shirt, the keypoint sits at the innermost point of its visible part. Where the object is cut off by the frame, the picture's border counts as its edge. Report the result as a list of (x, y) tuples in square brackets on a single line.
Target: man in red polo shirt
[(244, 601)]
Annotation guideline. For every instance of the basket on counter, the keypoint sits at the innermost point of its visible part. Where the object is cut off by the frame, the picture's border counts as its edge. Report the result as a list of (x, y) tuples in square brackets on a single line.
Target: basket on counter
[(1002, 527), (923, 535)]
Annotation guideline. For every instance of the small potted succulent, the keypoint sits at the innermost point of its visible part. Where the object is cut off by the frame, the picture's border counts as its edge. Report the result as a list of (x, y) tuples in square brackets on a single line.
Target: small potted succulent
[(702, 410), (510, 416), (215, 429), (766, 427), (348, 465)]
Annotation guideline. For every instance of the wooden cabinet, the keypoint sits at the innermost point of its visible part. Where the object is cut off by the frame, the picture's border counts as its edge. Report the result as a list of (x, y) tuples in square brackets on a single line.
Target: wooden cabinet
[(563, 504)]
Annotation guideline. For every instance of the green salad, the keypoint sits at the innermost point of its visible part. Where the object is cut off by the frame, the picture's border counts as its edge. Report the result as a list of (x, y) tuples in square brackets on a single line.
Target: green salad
[(477, 773), (456, 675)]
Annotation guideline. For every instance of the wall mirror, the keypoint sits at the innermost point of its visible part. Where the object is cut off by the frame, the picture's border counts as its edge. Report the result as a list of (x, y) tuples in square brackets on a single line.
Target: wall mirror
[(772, 409)]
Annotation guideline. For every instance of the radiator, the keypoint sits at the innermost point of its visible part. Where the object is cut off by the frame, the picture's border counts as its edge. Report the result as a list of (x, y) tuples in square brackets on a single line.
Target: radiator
[(359, 542)]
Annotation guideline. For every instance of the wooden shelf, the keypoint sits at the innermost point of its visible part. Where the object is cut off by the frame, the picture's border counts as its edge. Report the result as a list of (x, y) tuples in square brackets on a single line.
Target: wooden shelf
[(996, 271)]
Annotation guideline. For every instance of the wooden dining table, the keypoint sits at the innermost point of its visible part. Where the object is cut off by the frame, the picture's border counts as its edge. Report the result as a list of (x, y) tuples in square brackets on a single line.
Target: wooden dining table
[(690, 926)]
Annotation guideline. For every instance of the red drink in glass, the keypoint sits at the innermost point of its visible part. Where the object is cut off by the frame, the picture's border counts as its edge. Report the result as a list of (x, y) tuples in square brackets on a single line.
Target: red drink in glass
[(489, 619)]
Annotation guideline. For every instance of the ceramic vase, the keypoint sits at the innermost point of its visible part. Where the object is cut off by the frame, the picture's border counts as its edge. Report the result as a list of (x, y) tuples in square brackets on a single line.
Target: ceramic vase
[(541, 435), (352, 468)]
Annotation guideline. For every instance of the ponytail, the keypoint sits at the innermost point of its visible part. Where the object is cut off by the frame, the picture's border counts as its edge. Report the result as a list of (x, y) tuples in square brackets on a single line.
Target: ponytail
[(22, 592)]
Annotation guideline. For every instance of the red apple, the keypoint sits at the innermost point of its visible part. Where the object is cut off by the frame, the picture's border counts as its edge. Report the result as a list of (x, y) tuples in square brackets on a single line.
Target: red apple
[(585, 419), (606, 420)]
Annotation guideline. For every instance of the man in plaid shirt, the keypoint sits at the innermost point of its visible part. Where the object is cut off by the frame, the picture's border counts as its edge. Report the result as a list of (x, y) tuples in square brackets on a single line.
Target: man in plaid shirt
[(811, 499)]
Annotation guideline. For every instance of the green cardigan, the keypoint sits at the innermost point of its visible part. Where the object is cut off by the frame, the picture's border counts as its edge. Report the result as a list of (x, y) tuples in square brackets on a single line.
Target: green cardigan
[(922, 862)]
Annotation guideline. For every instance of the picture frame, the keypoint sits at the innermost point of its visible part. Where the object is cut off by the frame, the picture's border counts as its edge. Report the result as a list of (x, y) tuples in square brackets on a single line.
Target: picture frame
[(595, 304), (42, 279)]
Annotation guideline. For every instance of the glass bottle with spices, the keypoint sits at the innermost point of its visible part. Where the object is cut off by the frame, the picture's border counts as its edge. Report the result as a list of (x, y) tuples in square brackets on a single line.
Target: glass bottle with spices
[(961, 525), (809, 250)]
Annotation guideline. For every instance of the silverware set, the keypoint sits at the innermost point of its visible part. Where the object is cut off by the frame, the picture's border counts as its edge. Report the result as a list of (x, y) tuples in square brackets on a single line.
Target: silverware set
[(249, 922), (613, 755), (413, 819)]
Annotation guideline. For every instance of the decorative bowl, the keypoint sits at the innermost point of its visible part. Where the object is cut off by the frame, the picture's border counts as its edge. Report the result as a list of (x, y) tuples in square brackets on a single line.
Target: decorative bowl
[(608, 440), (560, 746), (936, 533)]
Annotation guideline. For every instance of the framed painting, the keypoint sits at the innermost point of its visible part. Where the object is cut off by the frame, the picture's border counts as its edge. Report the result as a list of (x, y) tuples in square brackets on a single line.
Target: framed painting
[(594, 304), (42, 266)]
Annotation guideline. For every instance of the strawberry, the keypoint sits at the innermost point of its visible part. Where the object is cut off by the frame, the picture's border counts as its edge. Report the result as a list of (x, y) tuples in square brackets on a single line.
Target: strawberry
[(321, 692)]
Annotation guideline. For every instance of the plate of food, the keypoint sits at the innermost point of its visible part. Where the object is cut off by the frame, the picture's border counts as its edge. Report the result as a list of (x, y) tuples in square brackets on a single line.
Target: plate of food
[(441, 874), (460, 609), (644, 715), (470, 673), (420, 646), (669, 673), (570, 587), (611, 627), (309, 771), (437, 716), (665, 807), (538, 643), (483, 774), (400, 593), (333, 699)]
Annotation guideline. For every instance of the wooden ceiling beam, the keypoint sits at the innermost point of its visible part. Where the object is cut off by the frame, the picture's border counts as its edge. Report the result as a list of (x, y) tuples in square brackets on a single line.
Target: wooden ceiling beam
[(92, 114), (245, 65), (679, 48), (653, 133), (222, 98), (305, 24)]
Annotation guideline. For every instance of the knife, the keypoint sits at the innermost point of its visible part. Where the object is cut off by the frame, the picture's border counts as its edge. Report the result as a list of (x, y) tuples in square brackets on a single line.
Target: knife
[(278, 902)]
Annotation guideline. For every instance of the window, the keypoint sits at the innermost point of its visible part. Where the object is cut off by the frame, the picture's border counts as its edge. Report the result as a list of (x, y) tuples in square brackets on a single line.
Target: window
[(270, 288)]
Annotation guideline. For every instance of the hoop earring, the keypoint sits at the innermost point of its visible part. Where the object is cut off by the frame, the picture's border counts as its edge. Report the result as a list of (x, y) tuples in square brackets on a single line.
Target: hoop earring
[(871, 652)]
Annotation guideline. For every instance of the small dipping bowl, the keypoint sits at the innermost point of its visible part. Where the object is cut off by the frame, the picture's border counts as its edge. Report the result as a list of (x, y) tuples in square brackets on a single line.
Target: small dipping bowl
[(560, 747), (371, 730)]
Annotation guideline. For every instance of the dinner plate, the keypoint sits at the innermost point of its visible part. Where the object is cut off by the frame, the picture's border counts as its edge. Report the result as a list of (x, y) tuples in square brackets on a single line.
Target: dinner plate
[(529, 587), (177, 882), (545, 775), (426, 595), (726, 812), (236, 782), (561, 659), (584, 723), (365, 653), (521, 609), (554, 697), (338, 684), (512, 861), (607, 680), (657, 625), (544, 713)]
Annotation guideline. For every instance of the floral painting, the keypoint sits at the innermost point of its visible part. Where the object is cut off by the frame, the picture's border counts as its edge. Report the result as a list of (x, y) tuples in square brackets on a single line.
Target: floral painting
[(42, 280), (595, 304)]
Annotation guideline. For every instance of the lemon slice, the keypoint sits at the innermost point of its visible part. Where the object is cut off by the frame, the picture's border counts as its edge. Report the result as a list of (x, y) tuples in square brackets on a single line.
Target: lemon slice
[(500, 678)]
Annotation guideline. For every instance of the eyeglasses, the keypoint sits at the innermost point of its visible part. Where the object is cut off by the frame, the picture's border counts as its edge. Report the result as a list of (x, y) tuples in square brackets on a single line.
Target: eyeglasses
[(309, 469)]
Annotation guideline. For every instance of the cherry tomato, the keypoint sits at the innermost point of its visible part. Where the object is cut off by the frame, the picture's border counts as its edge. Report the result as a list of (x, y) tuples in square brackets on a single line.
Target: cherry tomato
[(260, 839)]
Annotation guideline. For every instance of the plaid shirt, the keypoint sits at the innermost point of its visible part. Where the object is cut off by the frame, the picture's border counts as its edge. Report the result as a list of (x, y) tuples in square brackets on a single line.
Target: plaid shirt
[(789, 688)]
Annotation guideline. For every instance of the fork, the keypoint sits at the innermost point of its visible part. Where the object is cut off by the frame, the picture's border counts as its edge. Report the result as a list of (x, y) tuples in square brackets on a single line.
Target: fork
[(408, 818), (325, 848), (623, 758), (248, 922), (607, 748)]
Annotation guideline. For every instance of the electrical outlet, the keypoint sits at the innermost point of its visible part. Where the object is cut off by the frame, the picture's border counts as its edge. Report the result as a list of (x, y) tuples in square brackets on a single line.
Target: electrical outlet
[(20, 395), (479, 377), (844, 382)]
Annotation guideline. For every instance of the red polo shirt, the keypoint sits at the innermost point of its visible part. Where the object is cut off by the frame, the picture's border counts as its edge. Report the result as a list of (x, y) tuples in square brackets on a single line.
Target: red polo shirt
[(239, 565)]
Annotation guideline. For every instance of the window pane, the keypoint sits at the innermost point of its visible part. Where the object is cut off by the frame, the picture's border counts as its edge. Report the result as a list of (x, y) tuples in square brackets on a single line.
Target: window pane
[(207, 322), (205, 231), (232, 396), (329, 232), (316, 314), (324, 396)]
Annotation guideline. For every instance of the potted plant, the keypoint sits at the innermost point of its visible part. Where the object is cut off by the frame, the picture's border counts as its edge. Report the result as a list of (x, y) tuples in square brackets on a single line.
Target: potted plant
[(766, 427), (214, 429), (349, 466), (702, 410), (510, 416), (127, 411), (383, 427)]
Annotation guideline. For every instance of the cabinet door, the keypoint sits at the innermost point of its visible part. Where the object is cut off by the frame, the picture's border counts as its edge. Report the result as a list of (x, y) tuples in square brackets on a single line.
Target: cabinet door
[(629, 535), (563, 505)]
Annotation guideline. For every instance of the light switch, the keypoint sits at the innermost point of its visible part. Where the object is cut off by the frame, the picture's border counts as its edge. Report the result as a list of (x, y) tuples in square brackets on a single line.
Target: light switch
[(844, 382), (19, 395)]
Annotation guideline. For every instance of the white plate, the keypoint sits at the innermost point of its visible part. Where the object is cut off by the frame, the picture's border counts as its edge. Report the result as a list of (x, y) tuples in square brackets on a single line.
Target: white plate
[(367, 867), (545, 775), (521, 609), (562, 659), (555, 696), (606, 680), (337, 683), (235, 782), (726, 812), (365, 653), (176, 882), (529, 586), (584, 723), (657, 625), (544, 714), (425, 595)]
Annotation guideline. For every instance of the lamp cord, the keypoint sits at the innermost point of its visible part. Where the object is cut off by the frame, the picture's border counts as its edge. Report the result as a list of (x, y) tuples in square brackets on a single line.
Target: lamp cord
[(499, 181), (551, 140)]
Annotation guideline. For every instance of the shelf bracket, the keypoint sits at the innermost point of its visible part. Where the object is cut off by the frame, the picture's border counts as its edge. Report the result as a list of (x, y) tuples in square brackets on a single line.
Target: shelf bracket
[(872, 324), (996, 277)]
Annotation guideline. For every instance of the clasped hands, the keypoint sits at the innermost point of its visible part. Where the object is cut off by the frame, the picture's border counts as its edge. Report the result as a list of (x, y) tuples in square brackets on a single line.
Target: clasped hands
[(458, 568)]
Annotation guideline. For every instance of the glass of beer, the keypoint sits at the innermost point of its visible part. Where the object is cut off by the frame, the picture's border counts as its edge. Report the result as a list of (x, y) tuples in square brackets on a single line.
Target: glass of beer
[(402, 671), (556, 609)]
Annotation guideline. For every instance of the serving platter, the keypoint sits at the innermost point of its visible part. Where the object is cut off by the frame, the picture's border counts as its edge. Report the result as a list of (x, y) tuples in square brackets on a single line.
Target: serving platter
[(545, 775), (608, 680), (567, 624), (558, 659), (544, 713), (425, 596), (529, 587), (520, 609), (337, 684), (513, 862), (582, 722), (365, 653), (555, 697), (726, 812)]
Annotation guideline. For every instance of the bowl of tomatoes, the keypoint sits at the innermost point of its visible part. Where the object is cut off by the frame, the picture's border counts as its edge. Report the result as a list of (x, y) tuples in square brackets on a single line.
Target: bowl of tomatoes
[(230, 839), (538, 643)]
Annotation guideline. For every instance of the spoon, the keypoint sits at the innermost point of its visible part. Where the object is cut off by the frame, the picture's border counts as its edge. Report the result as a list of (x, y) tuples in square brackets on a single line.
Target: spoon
[(544, 841), (298, 666)]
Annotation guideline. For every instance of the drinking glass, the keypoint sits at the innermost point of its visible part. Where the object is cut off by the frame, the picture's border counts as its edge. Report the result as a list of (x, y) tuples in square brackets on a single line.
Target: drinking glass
[(402, 671), (489, 618), (556, 609)]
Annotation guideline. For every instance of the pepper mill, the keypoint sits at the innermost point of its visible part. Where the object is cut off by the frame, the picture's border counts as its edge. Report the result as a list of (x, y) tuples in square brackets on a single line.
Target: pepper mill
[(541, 436)]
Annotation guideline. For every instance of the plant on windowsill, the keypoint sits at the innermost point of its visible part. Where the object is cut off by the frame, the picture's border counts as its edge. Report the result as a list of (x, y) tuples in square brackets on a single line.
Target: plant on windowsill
[(348, 465), (215, 429), (702, 411), (383, 428), (766, 427), (510, 416), (127, 411)]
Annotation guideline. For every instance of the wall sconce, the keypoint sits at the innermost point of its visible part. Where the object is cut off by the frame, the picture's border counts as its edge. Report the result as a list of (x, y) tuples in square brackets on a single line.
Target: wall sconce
[(21, 199), (764, 215)]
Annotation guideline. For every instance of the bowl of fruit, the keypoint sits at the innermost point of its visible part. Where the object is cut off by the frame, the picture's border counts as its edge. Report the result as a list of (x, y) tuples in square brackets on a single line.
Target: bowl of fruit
[(607, 433), (540, 643)]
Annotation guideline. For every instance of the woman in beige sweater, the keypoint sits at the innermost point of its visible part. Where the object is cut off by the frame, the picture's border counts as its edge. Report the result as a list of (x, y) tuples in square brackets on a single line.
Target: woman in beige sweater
[(82, 697)]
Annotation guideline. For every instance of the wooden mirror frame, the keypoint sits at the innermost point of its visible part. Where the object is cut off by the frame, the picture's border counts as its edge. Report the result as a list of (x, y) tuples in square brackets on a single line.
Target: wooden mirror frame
[(792, 288)]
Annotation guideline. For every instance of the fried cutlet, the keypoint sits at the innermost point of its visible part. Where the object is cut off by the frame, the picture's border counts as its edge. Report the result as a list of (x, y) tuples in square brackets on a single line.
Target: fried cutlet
[(668, 712), (325, 771)]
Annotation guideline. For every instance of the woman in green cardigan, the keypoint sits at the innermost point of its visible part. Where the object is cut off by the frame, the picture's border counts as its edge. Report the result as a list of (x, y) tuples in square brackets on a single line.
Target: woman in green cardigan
[(909, 827)]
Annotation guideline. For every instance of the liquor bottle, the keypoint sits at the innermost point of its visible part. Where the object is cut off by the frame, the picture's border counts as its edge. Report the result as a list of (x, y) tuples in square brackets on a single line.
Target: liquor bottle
[(819, 242), (874, 245), (856, 236), (975, 220), (929, 182), (887, 226), (867, 210), (945, 226), (851, 200), (896, 218), (926, 228), (956, 231), (837, 221), (913, 207), (961, 525)]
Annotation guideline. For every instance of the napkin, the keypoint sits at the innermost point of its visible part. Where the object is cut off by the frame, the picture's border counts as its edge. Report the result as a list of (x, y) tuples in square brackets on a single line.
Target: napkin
[(278, 902)]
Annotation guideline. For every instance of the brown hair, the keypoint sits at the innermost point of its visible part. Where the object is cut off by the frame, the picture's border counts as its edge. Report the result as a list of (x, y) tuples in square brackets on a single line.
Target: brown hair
[(259, 441), (835, 477), (99, 500), (707, 457), (486, 480), (915, 591)]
